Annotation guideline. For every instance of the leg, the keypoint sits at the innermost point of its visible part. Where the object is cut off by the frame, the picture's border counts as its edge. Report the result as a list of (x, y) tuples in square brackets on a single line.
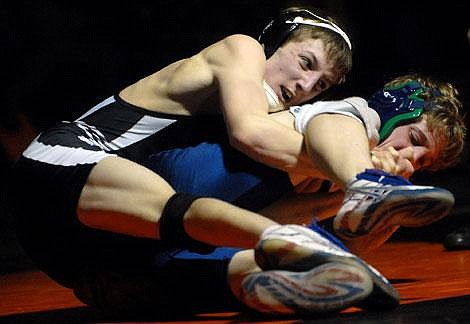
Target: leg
[(326, 288), (322, 248), (328, 284), (225, 280), (121, 196), (124, 197), (376, 203), (175, 277), (300, 208), (339, 155)]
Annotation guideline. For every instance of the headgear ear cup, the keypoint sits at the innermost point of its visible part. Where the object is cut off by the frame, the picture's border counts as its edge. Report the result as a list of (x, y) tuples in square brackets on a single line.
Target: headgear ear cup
[(397, 105), (274, 34), (279, 29)]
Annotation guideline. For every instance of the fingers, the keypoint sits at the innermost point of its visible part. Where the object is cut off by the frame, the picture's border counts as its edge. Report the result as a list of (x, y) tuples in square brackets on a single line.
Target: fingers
[(406, 168), (407, 153), (387, 160), (394, 162)]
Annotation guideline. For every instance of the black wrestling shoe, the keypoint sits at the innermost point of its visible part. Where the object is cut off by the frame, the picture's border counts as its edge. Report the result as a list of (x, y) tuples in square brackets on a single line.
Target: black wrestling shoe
[(458, 239)]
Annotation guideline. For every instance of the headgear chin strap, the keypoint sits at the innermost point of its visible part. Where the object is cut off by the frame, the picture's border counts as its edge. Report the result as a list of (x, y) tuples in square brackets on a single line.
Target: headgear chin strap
[(397, 105), (278, 30)]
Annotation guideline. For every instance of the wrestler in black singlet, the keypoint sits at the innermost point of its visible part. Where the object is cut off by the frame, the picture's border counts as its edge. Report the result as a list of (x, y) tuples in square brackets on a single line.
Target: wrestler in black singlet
[(53, 170)]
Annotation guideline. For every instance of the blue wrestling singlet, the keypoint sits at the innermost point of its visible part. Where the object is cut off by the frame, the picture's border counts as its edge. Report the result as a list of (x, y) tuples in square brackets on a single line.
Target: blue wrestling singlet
[(217, 170)]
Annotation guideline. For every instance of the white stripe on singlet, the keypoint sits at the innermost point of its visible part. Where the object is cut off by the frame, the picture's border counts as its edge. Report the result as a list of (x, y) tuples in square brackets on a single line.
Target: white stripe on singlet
[(105, 102), (144, 128), (63, 155), (69, 156)]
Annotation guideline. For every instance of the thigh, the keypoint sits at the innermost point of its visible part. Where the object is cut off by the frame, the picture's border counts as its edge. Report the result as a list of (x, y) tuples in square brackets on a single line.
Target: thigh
[(123, 196)]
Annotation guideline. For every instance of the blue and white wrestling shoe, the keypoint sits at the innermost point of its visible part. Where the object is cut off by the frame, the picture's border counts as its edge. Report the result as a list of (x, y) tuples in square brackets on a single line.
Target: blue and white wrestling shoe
[(301, 249), (377, 204), (329, 287)]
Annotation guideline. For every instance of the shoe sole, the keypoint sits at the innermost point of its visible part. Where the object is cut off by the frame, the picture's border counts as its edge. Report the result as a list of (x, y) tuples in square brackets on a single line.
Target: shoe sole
[(327, 288), (281, 254), (408, 208)]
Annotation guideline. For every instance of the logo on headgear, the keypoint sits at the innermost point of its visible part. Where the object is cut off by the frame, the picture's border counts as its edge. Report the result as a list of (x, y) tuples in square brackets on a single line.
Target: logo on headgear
[(397, 105)]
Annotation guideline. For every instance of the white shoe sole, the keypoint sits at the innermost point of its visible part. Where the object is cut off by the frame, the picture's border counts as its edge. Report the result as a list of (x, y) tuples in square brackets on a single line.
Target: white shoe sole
[(327, 288), (297, 248), (408, 208)]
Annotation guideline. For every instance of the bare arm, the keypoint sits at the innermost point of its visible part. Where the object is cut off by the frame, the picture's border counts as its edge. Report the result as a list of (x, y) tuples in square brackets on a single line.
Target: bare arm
[(238, 67), (226, 77)]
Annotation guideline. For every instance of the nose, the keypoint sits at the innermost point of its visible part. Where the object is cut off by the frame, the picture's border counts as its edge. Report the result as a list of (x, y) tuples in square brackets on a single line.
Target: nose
[(415, 155), (420, 159), (307, 83)]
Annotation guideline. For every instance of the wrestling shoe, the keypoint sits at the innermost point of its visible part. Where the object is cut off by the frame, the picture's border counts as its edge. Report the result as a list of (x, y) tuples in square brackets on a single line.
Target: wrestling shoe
[(327, 288), (377, 204), (298, 248)]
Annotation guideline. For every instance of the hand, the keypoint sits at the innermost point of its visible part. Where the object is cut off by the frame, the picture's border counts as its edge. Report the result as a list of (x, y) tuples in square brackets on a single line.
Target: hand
[(394, 162)]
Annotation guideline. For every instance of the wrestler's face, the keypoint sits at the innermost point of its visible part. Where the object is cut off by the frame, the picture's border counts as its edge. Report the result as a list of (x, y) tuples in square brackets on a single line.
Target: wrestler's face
[(416, 146), (300, 70)]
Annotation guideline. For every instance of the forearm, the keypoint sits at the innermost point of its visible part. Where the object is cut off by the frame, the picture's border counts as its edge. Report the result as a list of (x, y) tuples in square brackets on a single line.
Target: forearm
[(273, 144)]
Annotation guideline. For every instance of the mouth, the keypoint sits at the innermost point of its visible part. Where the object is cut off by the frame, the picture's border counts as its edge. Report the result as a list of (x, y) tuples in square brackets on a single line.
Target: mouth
[(286, 94)]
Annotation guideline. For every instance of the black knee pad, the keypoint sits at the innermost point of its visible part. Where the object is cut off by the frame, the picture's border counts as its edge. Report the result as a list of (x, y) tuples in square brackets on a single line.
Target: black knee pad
[(172, 230)]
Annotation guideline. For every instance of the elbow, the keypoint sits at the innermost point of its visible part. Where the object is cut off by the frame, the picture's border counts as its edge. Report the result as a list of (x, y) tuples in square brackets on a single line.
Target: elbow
[(242, 139), (260, 147), (247, 140)]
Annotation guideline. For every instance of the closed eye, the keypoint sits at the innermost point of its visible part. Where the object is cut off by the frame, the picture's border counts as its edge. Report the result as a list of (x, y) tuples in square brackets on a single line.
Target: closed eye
[(417, 138), (414, 138)]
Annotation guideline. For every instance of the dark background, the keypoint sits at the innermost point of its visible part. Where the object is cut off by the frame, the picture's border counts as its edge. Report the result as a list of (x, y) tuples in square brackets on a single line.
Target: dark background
[(59, 58)]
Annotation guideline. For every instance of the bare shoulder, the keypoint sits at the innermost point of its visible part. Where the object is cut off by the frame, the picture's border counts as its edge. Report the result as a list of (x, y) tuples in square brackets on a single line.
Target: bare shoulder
[(243, 41), (236, 47), (185, 86)]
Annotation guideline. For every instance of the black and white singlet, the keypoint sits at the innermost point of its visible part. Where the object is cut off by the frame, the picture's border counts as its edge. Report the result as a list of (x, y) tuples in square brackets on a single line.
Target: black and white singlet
[(50, 176)]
